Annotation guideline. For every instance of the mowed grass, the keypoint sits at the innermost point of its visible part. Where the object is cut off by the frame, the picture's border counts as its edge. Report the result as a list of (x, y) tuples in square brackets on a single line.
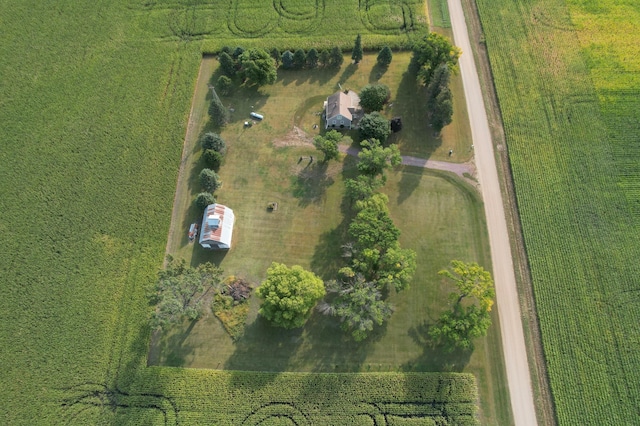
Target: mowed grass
[(440, 217), (568, 89)]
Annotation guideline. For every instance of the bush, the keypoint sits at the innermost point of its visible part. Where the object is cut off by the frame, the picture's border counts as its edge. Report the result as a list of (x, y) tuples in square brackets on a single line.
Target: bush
[(212, 140), (213, 159), (375, 126), (203, 199), (374, 96), (210, 180)]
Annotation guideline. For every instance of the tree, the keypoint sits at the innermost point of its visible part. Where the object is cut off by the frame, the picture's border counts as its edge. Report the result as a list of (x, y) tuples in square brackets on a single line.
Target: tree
[(212, 140), (312, 58), (258, 67), (324, 58), (359, 305), (213, 159), (431, 51), (472, 281), (396, 267), (374, 96), (180, 291), (227, 64), (375, 126), (442, 113), (275, 54), (328, 144), (289, 295), (335, 58), (225, 85), (287, 60), (439, 81), (299, 59), (385, 57), (374, 159), (469, 317), (362, 187), (237, 52), (203, 199), (357, 50), (373, 228), (218, 113), (210, 180)]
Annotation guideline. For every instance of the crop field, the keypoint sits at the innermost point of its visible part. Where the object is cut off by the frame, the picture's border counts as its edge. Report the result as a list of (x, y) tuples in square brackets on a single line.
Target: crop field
[(175, 396), (567, 82), (283, 23), (94, 100)]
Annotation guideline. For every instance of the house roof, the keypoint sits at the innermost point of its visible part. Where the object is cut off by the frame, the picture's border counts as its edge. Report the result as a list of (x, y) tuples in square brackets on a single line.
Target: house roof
[(217, 225), (343, 104)]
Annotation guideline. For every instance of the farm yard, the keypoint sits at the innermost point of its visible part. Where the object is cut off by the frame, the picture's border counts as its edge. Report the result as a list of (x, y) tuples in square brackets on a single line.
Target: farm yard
[(567, 81), (94, 104), (262, 165)]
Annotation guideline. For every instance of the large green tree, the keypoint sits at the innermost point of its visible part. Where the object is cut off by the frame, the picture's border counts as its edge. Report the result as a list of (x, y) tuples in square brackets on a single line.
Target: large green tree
[(227, 64), (374, 126), (214, 141), (181, 290), (258, 67), (356, 55), (374, 96), (439, 98), (328, 144), (359, 305), (469, 317), (374, 159), (362, 186), (289, 295), (431, 51)]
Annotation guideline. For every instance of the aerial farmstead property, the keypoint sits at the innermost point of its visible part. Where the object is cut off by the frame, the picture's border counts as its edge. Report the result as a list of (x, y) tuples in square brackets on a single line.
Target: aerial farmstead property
[(217, 227)]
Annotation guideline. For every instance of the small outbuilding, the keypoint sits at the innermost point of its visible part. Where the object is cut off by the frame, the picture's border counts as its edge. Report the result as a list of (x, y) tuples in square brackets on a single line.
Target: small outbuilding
[(217, 227), (340, 110)]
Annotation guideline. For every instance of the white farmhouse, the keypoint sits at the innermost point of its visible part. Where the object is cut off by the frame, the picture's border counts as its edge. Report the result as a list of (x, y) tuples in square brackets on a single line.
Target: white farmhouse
[(340, 110)]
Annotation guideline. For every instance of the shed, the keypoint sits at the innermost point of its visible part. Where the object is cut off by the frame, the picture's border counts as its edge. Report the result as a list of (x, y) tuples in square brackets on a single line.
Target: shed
[(217, 227)]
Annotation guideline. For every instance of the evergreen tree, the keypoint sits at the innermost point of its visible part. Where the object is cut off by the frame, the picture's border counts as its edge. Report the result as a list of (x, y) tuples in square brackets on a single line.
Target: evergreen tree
[(218, 113), (324, 58), (299, 59), (312, 58), (357, 50), (385, 56), (335, 58), (275, 54), (287, 60), (227, 64)]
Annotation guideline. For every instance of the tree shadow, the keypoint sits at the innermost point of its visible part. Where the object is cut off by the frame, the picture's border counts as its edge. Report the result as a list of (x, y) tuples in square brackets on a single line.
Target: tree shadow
[(310, 184), (435, 357), (377, 72), (260, 337), (347, 73), (410, 180), (169, 349)]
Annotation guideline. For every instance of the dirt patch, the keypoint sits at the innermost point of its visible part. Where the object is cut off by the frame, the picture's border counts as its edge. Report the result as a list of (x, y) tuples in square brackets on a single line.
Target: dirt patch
[(295, 137)]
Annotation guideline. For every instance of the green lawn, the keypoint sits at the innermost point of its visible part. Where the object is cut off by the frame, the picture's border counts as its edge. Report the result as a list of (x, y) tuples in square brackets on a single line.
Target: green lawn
[(440, 217)]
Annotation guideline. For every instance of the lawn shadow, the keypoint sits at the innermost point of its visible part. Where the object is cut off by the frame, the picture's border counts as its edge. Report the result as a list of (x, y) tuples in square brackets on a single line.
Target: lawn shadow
[(411, 177), (169, 349), (274, 345), (435, 357), (377, 72), (202, 255), (347, 73), (243, 101), (310, 184)]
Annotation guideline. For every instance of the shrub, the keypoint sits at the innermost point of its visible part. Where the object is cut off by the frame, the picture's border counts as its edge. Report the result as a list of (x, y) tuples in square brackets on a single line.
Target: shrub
[(203, 199), (210, 180), (213, 159), (212, 140)]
